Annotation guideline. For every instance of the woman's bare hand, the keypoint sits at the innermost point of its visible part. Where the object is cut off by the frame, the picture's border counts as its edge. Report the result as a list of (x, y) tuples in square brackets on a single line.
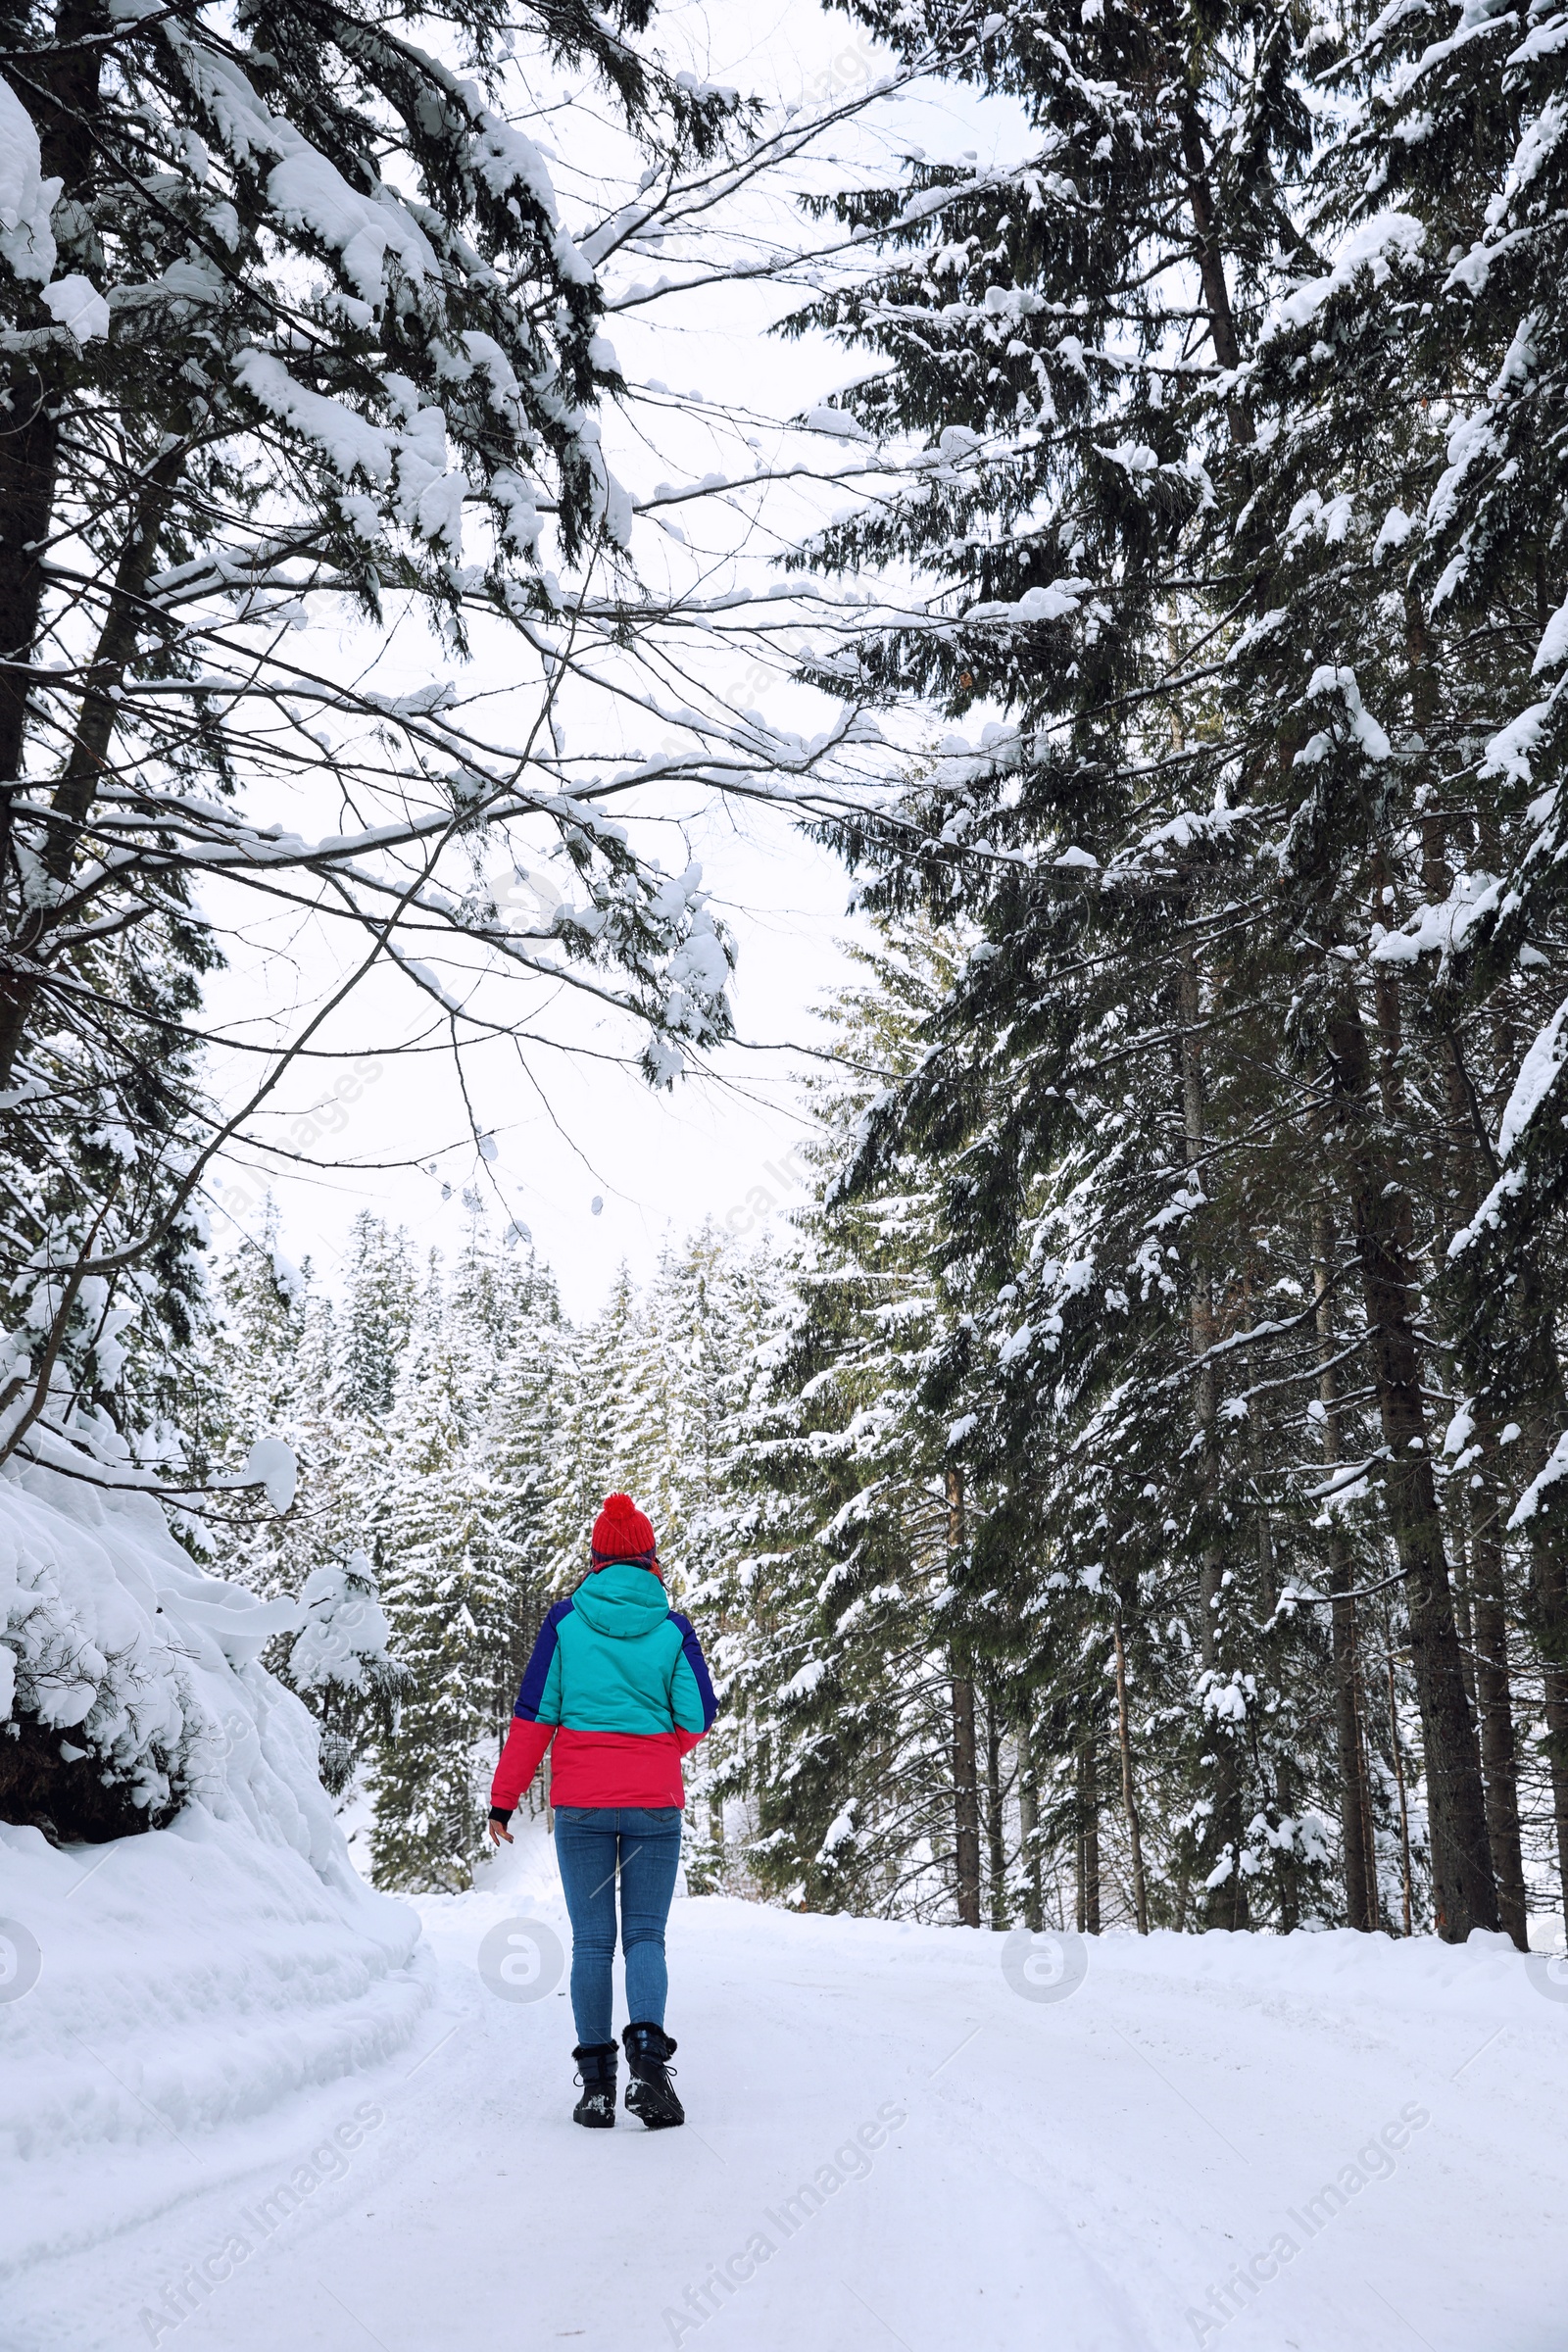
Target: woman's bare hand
[(498, 1833)]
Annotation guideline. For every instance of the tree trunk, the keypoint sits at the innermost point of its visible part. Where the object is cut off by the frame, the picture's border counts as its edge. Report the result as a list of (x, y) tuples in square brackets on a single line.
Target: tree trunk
[(1463, 1885), (1286, 1863), (1479, 1580), (86, 764), (1397, 1753), (1029, 1837), (996, 1827), (1088, 1835), (1545, 1419), (1495, 1707), (1355, 1812), (28, 464), (1128, 1795), (61, 91), (1225, 1904), (1359, 1864), (966, 1802), (1374, 1886), (1463, 1613), (1211, 269), (1464, 1888), (966, 1793)]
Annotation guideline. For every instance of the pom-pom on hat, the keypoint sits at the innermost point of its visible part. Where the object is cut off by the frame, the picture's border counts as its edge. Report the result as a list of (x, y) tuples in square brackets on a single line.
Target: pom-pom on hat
[(621, 1532)]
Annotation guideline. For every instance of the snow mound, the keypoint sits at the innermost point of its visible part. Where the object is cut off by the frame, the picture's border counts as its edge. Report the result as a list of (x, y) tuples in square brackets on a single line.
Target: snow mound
[(162, 1993), (190, 1983)]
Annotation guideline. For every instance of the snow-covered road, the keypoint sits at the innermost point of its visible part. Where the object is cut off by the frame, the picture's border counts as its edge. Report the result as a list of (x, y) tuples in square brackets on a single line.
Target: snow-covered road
[(1327, 2145)]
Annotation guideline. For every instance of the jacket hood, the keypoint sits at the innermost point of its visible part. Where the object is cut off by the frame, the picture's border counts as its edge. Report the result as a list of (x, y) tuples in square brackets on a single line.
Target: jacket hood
[(623, 1601)]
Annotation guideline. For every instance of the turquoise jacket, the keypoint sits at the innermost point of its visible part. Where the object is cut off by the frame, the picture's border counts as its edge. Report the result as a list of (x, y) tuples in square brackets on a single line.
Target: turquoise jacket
[(618, 1682)]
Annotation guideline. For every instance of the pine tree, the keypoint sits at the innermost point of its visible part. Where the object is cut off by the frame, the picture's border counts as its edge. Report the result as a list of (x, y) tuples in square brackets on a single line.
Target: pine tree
[(519, 1448), (702, 1323), (600, 1427), (864, 1637), (376, 1317), (444, 1589), (1256, 969)]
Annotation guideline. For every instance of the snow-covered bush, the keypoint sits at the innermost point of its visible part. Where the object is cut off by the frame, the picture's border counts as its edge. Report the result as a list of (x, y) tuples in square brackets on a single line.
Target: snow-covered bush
[(131, 1680), (342, 1658)]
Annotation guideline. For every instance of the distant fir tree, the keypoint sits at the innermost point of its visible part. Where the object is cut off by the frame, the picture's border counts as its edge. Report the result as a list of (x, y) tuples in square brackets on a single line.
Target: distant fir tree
[(607, 1406), (857, 1688), (521, 1452), (444, 1591), (467, 1543), (280, 1360), (379, 1290), (703, 1319)]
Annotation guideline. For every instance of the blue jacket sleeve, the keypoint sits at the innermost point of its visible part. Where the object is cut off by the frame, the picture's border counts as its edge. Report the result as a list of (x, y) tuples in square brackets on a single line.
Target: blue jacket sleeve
[(536, 1673), (692, 1696)]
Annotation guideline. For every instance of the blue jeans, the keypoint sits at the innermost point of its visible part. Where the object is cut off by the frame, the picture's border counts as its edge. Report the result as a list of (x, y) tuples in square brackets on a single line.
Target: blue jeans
[(591, 1842)]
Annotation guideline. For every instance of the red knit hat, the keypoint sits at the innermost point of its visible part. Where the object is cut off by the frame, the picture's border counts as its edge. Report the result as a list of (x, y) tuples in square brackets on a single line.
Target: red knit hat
[(621, 1532)]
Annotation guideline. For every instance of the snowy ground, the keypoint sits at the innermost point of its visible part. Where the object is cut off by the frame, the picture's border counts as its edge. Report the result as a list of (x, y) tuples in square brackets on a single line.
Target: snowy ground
[(371, 2167)]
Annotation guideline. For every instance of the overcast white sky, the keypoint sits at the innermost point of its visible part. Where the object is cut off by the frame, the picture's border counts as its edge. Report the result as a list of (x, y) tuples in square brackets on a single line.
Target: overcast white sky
[(572, 1127)]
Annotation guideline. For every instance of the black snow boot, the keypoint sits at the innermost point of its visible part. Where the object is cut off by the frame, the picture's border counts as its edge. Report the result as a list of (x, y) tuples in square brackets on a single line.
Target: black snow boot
[(649, 2093), (596, 2071)]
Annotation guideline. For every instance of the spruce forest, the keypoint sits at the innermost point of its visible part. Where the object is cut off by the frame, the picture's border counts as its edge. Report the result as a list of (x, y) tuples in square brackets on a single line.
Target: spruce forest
[(1132, 1491)]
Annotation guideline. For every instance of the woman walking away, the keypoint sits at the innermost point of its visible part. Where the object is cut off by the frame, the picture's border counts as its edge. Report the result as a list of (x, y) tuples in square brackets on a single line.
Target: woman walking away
[(617, 1681)]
